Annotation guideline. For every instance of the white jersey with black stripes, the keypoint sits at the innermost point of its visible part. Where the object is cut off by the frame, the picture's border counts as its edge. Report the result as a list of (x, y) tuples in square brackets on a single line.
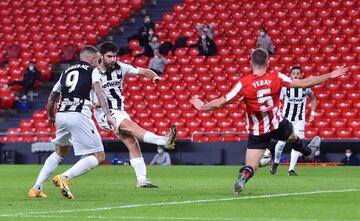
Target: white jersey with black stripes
[(295, 103), (112, 83)]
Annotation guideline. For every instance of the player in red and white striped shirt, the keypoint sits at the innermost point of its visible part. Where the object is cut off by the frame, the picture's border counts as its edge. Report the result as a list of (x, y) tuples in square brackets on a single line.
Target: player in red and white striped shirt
[(261, 94)]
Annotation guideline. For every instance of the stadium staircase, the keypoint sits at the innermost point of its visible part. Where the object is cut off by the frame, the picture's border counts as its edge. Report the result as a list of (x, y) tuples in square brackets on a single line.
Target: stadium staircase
[(319, 35)]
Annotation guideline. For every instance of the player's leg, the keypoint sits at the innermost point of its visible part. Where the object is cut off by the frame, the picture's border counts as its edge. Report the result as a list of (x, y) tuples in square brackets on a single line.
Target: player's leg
[(86, 141), (134, 129), (299, 128), (62, 143), (293, 160), (125, 124), (298, 145), (253, 157), (137, 161), (48, 168), (83, 166), (279, 147), (286, 132), (255, 151)]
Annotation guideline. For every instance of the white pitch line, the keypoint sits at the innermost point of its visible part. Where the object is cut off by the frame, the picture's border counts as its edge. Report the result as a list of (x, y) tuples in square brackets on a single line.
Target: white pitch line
[(176, 218), (178, 202)]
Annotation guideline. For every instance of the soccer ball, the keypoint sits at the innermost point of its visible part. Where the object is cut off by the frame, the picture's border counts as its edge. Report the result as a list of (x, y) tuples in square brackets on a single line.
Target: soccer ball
[(266, 159)]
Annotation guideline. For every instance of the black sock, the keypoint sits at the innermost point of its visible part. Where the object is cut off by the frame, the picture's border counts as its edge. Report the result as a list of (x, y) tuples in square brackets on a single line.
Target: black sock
[(248, 171), (299, 145)]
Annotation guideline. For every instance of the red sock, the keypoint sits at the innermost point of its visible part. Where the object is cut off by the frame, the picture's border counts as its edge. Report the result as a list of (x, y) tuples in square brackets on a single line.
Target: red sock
[(248, 171)]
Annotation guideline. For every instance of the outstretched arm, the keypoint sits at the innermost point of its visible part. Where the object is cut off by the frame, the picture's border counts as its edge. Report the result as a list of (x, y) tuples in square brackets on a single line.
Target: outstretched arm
[(313, 107), (212, 105), (102, 101), (150, 74), (312, 81), (101, 98), (53, 97)]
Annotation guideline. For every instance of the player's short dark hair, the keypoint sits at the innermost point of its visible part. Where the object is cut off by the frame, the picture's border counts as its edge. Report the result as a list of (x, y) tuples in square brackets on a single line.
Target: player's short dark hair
[(259, 57), (295, 67), (108, 46), (88, 49)]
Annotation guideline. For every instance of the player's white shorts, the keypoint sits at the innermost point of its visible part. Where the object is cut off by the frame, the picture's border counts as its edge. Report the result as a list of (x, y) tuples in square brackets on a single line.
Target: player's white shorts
[(299, 128), (117, 115), (76, 129)]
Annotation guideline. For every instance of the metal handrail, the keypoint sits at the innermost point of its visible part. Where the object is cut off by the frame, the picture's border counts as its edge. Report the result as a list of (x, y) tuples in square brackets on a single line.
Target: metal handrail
[(221, 133)]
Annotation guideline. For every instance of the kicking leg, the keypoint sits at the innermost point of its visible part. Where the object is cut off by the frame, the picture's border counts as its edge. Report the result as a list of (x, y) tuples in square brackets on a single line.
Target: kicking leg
[(253, 157), (139, 133), (50, 165), (137, 161), (298, 145)]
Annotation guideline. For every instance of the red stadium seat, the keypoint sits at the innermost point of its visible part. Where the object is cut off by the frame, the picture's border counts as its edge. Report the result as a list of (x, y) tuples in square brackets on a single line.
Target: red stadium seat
[(349, 114), (344, 133), (311, 132), (333, 114), (323, 123), (354, 96), (344, 104), (340, 123), (327, 133)]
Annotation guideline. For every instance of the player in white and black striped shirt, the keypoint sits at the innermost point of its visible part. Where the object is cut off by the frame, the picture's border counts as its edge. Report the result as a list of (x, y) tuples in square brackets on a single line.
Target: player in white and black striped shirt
[(294, 110), (74, 126), (113, 74)]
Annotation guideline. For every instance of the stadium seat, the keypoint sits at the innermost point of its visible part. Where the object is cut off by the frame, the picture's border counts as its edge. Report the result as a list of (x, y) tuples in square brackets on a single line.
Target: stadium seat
[(349, 114), (323, 123), (311, 132), (327, 133), (327, 104), (344, 133), (339, 123), (333, 114)]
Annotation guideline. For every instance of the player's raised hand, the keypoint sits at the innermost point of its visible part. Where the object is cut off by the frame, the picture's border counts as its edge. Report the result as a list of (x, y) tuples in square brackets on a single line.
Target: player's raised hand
[(198, 104), (156, 79), (339, 71), (51, 122)]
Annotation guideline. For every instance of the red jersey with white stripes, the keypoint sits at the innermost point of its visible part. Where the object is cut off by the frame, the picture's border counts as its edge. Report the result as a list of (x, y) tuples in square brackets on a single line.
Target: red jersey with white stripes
[(262, 98)]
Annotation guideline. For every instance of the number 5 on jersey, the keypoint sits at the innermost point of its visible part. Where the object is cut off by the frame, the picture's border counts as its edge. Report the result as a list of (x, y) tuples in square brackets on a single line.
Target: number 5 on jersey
[(267, 100)]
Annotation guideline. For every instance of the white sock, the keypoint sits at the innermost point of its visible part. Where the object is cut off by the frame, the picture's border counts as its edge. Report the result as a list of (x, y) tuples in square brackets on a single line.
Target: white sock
[(140, 168), (278, 150), (82, 166), (50, 165), (152, 138), (293, 159)]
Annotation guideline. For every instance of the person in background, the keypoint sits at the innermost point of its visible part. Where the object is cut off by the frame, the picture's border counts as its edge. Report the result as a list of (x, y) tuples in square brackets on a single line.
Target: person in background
[(264, 41), (294, 110), (157, 63), (144, 31), (350, 159), (162, 158), (207, 29), (206, 45), (30, 76), (149, 48)]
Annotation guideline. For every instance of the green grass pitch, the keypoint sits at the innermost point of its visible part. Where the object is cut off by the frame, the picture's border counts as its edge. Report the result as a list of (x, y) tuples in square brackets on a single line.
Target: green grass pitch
[(186, 193)]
